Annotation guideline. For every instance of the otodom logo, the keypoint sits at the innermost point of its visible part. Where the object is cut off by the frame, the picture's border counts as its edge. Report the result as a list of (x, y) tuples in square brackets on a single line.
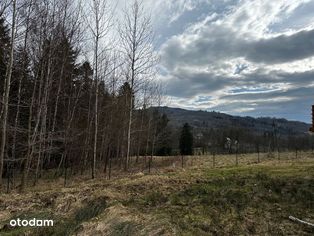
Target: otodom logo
[(31, 223)]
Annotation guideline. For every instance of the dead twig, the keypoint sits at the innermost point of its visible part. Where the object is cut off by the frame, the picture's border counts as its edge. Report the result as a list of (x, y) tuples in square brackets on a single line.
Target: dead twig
[(300, 221)]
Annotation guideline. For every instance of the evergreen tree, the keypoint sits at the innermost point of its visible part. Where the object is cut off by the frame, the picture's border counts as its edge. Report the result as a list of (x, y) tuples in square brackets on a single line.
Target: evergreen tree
[(4, 51), (163, 144), (186, 140)]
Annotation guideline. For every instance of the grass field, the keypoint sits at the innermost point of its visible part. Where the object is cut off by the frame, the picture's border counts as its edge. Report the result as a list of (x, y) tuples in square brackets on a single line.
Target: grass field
[(249, 199)]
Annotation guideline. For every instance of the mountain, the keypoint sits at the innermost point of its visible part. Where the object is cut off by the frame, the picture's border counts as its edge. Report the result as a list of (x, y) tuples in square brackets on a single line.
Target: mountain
[(216, 120)]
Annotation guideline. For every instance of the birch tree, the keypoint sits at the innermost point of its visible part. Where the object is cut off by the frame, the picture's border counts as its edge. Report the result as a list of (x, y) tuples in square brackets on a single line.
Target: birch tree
[(136, 34), (98, 20)]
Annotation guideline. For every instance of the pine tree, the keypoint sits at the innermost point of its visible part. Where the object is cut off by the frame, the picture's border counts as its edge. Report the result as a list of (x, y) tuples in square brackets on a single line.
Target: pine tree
[(4, 52), (163, 143), (186, 140)]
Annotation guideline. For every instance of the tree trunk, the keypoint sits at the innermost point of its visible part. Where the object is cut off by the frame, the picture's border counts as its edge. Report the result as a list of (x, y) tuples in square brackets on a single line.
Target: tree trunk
[(129, 136), (6, 94)]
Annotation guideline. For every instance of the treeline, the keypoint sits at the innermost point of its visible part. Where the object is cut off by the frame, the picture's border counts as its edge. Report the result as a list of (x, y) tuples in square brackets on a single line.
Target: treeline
[(241, 140), (76, 81), (229, 140)]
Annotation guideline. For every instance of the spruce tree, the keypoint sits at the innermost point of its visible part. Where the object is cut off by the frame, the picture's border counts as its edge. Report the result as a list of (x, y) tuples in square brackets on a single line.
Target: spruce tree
[(186, 140), (4, 52), (163, 143)]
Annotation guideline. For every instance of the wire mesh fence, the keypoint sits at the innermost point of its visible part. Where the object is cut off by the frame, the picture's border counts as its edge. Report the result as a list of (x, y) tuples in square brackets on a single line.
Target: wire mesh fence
[(159, 163)]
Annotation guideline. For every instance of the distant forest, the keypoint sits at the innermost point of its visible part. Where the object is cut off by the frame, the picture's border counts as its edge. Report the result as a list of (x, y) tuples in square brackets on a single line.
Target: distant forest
[(212, 130)]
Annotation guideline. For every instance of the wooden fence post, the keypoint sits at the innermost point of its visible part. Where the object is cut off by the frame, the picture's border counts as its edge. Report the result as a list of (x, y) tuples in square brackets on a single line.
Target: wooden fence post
[(214, 159)]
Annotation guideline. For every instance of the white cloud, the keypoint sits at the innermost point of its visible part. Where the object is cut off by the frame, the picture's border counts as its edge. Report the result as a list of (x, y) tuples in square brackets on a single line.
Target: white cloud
[(241, 56), (252, 50)]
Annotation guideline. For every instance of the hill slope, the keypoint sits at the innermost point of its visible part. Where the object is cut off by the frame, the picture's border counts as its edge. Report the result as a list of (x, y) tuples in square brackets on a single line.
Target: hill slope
[(203, 119)]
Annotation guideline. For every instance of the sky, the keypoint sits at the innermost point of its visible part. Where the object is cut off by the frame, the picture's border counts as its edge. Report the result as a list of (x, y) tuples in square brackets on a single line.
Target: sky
[(241, 57)]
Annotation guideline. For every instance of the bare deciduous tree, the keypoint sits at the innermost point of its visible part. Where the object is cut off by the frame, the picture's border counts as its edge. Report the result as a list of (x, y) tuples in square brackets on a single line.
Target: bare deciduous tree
[(136, 35), (6, 93), (99, 24)]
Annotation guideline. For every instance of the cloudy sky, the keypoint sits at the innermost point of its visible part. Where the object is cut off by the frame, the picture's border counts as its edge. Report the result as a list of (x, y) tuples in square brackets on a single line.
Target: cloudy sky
[(242, 57)]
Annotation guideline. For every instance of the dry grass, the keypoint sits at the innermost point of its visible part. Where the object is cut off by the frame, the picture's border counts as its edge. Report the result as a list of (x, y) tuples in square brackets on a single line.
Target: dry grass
[(251, 198)]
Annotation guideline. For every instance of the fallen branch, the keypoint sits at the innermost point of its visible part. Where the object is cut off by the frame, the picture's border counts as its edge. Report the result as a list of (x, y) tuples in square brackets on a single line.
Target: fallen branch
[(300, 221)]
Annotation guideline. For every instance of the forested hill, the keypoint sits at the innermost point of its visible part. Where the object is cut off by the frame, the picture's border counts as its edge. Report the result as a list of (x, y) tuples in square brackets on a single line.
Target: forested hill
[(204, 120)]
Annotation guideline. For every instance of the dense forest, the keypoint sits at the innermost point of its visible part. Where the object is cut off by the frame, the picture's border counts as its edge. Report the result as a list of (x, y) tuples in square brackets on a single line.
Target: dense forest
[(76, 84)]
